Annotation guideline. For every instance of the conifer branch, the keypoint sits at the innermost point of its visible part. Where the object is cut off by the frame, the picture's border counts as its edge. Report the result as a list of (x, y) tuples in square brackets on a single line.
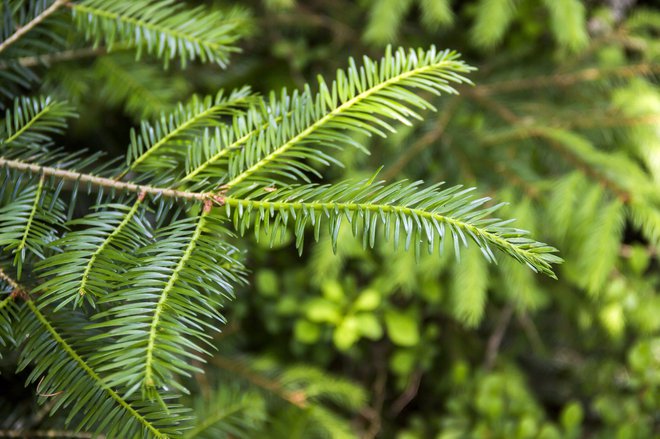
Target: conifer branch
[(107, 241), (164, 296), (33, 211), (335, 113), (80, 362), (227, 150), (90, 372)]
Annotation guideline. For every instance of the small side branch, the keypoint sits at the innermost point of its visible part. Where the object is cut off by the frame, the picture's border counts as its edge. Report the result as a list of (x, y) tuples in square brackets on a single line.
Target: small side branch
[(28, 27), (298, 398), (66, 55)]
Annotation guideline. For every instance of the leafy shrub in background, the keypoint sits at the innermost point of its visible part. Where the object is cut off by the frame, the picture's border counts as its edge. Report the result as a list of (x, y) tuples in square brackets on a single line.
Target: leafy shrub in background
[(114, 272)]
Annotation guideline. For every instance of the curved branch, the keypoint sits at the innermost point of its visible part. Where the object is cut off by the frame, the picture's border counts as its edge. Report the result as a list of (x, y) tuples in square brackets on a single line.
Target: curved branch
[(164, 295)]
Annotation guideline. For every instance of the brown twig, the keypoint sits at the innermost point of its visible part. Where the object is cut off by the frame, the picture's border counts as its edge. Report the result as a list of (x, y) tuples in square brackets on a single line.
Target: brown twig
[(425, 141), (530, 131), (66, 55), (102, 181), (380, 383), (297, 398), (34, 22), (46, 395), (408, 394), (495, 340), (565, 79), (531, 332)]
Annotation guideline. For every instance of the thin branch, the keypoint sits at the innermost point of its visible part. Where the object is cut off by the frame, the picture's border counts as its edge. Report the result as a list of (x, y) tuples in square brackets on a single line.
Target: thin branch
[(425, 141), (49, 171), (74, 356), (532, 333), (510, 117), (298, 398), (373, 413), (29, 26), (566, 79), (495, 340), (408, 394), (65, 55), (8, 279)]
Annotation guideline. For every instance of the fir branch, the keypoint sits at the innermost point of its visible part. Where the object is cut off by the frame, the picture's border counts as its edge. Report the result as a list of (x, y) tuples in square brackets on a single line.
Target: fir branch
[(32, 121), (362, 99), (422, 214), (68, 351), (30, 219), (107, 242), (215, 143), (176, 284), (95, 255), (57, 337), (149, 380), (164, 28), (184, 123)]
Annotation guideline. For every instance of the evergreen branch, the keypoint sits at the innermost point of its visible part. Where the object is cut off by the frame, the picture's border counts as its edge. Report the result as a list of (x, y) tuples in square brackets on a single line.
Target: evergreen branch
[(107, 242), (32, 120), (26, 225), (73, 355), (20, 32), (426, 215), (536, 255), (159, 314), (359, 99), (164, 28), (55, 352), (184, 123), (149, 380), (216, 144), (30, 219), (94, 255)]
